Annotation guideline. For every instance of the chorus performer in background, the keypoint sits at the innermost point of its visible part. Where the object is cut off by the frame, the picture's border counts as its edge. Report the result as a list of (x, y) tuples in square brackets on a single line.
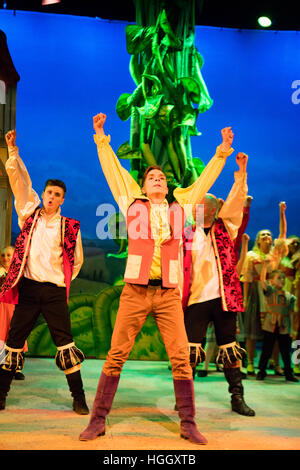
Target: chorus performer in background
[(255, 304)]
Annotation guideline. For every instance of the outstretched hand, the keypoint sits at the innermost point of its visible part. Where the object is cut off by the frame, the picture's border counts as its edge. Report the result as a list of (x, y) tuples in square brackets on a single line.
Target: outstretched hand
[(10, 138), (282, 206), (242, 160), (227, 136), (98, 123)]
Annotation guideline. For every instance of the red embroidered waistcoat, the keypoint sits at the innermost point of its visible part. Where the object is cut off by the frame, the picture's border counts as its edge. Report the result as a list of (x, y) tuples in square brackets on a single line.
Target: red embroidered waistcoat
[(69, 231), (141, 244), (230, 286)]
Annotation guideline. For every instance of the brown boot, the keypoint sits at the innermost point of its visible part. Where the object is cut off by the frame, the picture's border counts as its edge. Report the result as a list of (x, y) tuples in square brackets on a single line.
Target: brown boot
[(106, 390), (185, 401)]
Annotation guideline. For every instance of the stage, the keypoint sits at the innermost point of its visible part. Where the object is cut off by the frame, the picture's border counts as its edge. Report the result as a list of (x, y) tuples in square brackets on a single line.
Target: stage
[(39, 412)]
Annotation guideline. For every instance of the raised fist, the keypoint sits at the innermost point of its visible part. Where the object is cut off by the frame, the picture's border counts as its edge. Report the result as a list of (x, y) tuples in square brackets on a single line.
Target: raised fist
[(242, 160), (10, 138), (227, 136), (98, 122)]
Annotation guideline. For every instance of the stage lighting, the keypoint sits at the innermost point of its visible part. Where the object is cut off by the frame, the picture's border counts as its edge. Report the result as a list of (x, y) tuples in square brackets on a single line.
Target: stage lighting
[(49, 2), (264, 21)]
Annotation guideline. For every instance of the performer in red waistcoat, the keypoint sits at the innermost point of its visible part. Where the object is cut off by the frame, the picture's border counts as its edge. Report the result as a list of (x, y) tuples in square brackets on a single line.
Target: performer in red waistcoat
[(211, 286), (151, 277), (48, 255)]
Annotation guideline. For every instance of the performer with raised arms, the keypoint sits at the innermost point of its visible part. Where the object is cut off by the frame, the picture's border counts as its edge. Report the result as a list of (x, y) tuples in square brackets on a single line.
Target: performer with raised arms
[(48, 255), (151, 276)]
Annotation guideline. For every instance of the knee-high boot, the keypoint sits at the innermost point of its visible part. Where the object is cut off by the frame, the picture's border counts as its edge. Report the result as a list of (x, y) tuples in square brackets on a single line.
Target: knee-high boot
[(185, 403), (234, 379), (106, 391), (76, 388), (6, 377), (194, 373)]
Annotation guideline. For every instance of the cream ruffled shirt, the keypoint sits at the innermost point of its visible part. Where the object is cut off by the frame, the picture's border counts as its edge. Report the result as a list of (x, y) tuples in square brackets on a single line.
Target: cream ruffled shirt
[(125, 190), (45, 263), (205, 283)]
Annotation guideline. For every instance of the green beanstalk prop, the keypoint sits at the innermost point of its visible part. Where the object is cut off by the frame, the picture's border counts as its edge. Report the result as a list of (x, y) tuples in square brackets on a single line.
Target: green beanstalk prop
[(170, 91)]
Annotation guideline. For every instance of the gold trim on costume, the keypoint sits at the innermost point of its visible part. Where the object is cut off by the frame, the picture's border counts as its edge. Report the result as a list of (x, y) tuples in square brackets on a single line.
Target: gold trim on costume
[(73, 357), (73, 369), (66, 346), (199, 350), (236, 353), (13, 350)]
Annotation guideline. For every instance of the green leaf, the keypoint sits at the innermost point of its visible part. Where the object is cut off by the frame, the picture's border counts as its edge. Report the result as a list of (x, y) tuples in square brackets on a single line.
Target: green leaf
[(188, 118), (151, 107), (125, 151), (138, 38), (164, 112), (194, 131), (123, 106), (199, 165), (151, 85), (205, 103), (192, 87)]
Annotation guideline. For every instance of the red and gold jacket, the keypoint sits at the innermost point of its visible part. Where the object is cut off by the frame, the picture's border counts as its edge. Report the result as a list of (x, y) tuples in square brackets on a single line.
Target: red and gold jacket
[(69, 232)]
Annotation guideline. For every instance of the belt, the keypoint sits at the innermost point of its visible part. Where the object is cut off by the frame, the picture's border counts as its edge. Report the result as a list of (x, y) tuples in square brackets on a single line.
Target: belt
[(155, 282)]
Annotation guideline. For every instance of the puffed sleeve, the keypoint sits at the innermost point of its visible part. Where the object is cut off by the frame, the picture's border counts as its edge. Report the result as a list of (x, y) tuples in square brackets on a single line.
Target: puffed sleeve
[(26, 199)]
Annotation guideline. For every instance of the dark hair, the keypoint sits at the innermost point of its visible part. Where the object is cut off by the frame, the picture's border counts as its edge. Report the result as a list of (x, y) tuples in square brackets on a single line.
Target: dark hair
[(150, 168), (59, 183)]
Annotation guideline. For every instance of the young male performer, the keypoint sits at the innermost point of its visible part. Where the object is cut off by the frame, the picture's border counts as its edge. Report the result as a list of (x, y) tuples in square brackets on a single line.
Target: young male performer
[(48, 255), (151, 276), (211, 288)]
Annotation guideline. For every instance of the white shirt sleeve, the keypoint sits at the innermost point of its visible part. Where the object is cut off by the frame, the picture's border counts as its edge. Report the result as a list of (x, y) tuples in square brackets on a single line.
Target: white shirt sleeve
[(26, 199), (232, 210)]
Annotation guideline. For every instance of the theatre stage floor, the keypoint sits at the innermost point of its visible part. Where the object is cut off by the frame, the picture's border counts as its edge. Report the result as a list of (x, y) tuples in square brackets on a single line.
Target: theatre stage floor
[(39, 412)]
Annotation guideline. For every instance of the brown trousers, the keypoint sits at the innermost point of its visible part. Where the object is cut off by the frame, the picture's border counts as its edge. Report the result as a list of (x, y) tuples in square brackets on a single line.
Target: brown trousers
[(136, 303)]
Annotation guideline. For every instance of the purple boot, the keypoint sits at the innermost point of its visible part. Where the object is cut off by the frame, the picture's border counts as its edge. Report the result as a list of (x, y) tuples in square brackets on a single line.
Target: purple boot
[(106, 390), (185, 402)]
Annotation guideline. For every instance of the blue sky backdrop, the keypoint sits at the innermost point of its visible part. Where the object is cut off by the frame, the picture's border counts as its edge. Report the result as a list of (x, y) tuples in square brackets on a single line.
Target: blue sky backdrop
[(74, 67)]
